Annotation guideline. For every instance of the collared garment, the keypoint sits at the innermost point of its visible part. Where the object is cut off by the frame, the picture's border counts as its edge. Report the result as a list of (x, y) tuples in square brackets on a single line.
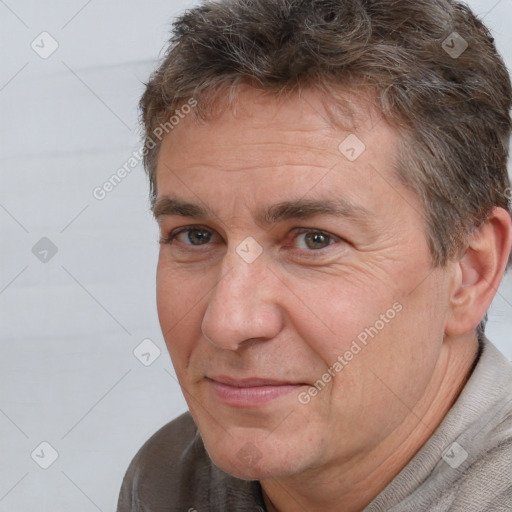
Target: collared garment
[(465, 466)]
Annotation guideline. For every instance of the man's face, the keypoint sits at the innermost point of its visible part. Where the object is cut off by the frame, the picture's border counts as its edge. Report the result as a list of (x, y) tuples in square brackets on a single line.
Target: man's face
[(292, 254)]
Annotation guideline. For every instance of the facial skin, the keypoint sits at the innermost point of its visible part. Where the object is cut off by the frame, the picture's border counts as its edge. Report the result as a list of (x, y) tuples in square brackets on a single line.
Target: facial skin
[(288, 315)]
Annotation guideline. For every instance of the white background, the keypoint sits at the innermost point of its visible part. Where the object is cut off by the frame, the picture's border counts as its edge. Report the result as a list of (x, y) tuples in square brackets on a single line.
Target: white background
[(70, 325)]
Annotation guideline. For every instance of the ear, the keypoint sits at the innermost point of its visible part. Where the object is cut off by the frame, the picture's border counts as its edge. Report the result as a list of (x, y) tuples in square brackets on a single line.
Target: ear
[(480, 271)]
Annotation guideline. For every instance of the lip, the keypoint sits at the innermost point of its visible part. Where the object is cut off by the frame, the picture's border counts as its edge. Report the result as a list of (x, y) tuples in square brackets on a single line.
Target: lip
[(250, 392)]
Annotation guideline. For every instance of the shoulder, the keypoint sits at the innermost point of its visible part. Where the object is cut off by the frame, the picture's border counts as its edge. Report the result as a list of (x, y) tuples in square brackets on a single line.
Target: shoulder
[(486, 485), (169, 471), (490, 477), (483, 480)]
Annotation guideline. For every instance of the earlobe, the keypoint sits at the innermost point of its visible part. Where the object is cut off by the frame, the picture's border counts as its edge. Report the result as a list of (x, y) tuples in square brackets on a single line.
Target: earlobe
[(479, 272)]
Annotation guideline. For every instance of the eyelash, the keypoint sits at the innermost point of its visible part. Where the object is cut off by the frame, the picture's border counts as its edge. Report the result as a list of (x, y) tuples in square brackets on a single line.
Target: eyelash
[(173, 234), (299, 231)]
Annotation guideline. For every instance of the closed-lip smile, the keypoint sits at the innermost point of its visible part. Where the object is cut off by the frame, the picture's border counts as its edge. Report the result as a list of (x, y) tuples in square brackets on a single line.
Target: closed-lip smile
[(251, 391)]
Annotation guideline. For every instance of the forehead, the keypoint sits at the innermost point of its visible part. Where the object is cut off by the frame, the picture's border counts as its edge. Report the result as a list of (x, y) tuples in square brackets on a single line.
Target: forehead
[(263, 146), (308, 120)]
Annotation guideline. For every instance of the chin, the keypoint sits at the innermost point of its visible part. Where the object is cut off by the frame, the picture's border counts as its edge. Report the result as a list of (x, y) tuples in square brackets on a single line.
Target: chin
[(264, 469), (251, 457)]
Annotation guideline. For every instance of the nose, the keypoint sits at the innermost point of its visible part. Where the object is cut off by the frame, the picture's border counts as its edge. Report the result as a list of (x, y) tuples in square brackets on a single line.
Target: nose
[(244, 305)]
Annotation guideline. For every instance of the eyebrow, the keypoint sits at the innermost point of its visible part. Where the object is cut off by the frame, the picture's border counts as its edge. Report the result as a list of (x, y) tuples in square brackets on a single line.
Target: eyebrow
[(286, 210)]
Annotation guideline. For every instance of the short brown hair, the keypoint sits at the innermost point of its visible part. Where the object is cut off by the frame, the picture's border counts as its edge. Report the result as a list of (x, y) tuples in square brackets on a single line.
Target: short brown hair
[(452, 110)]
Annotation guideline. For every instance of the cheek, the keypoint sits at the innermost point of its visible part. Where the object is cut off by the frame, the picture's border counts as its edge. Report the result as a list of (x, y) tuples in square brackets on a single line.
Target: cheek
[(364, 330), (401, 343), (166, 295), (336, 311), (178, 289), (179, 310)]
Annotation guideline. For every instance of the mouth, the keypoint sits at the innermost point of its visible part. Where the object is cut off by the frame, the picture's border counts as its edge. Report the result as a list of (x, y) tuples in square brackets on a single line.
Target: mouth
[(250, 392)]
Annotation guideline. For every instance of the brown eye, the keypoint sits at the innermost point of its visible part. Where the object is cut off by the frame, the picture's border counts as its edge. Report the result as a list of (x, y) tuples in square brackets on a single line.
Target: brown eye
[(317, 240), (313, 240), (196, 236), (189, 236)]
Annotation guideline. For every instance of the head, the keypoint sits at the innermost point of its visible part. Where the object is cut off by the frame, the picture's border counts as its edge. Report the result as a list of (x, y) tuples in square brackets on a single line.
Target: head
[(338, 167)]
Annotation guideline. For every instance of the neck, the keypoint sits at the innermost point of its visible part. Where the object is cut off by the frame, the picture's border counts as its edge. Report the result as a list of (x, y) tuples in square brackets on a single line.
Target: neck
[(351, 486)]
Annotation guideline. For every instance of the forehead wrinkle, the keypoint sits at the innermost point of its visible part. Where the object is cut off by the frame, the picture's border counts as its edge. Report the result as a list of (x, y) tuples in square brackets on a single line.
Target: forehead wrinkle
[(274, 167), (324, 145), (284, 145)]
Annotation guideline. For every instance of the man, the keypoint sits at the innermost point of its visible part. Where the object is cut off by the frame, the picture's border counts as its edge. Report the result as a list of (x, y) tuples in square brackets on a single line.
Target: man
[(330, 183)]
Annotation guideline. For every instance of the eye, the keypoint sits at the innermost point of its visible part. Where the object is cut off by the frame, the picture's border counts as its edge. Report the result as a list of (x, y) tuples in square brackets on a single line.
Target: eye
[(189, 236), (195, 236), (314, 240)]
